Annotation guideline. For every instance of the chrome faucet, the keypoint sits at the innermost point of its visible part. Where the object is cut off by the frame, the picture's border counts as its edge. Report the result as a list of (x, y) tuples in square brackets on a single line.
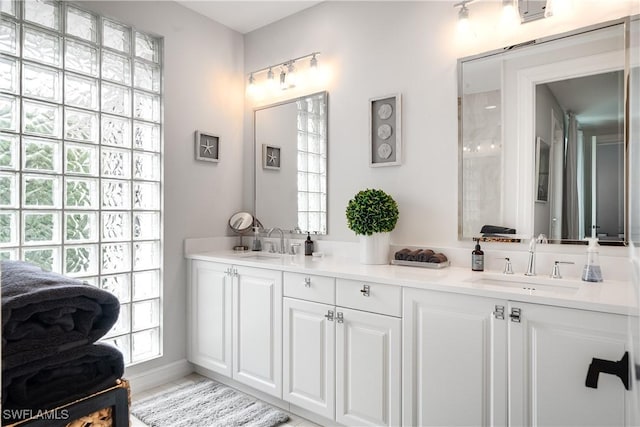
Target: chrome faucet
[(282, 250), (531, 265)]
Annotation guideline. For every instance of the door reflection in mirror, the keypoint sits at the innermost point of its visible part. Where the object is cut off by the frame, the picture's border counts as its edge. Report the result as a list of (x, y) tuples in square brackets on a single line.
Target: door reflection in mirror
[(585, 191)]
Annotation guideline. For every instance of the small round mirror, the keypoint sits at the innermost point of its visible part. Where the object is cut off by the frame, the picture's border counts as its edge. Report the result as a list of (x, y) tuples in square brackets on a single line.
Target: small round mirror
[(241, 222)]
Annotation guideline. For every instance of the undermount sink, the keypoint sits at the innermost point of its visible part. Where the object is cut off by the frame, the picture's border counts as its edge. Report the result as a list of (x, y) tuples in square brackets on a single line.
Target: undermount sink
[(260, 255), (529, 284)]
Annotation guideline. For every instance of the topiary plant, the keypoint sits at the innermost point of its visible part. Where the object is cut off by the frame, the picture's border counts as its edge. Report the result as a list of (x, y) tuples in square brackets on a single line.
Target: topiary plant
[(372, 211)]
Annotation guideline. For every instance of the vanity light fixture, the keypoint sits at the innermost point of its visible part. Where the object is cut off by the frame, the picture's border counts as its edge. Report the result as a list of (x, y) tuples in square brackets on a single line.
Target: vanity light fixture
[(290, 76), (515, 12)]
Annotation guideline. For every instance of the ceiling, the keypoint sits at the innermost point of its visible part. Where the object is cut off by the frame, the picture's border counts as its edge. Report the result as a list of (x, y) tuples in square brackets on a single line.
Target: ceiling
[(597, 100), (246, 16)]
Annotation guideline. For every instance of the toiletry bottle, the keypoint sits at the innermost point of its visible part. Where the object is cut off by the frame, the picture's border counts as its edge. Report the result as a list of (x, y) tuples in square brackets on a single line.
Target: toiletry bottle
[(257, 245), (592, 271), (308, 245), (477, 258)]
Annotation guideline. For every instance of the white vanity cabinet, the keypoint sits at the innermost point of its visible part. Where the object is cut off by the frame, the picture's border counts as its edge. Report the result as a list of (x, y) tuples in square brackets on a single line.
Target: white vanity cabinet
[(235, 323), (309, 373), (341, 363), (471, 360), (257, 329), (550, 351), (454, 360), (209, 319)]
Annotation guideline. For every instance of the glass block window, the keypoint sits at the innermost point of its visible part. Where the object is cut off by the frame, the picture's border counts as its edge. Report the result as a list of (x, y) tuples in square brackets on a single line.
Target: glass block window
[(312, 164), (81, 158)]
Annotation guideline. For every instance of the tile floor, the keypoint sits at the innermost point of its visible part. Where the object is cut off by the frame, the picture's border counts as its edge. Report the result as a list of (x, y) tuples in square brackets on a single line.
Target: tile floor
[(294, 420)]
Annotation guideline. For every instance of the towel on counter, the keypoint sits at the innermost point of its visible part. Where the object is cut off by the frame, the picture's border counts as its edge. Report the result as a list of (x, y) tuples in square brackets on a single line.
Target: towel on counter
[(496, 229), (61, 378), (401, 255), (413, 255), (44, 313), (438, 258), (424, 255)]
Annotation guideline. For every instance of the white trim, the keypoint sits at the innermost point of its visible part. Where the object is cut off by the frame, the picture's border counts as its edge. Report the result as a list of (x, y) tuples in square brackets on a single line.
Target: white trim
[(158, 376)]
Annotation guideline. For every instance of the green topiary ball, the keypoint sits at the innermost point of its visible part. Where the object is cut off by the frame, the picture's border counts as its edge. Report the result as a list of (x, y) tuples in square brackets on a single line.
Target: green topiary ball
[(372, 211)]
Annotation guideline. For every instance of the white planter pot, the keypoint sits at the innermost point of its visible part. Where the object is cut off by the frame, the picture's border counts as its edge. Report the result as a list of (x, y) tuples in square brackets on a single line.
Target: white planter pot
[(374, 249)]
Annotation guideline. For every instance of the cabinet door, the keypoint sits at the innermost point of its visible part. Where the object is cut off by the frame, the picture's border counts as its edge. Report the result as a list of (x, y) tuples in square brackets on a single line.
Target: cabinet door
[(454, 360), (257, 329), (367, 369), (210, 316), (309, 356), (550, 351)]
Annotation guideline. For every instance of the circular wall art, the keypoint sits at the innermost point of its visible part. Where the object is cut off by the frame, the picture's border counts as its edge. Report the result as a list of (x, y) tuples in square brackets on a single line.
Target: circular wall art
[(384, 131), (385, 111), (385, 150)]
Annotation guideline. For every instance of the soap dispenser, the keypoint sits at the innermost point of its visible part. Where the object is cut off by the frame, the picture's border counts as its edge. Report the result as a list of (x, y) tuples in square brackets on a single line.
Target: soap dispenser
[(308, 245), (257, 244), (477, 258), (592, 271)]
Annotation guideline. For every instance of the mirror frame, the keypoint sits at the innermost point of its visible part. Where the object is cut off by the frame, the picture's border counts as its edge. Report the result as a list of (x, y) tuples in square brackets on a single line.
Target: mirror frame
[(626, 23), (324, 93)]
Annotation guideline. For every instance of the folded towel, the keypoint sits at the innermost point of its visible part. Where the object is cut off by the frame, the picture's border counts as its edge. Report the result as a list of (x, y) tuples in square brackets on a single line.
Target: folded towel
[(496, 229), (438, 258), (62, 378), (424, 255), (412, 256), (402, 254), (44, 313)]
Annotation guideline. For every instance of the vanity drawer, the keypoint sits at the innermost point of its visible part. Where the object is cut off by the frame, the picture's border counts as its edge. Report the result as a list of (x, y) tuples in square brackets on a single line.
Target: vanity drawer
[(310, 287), (384, 299)]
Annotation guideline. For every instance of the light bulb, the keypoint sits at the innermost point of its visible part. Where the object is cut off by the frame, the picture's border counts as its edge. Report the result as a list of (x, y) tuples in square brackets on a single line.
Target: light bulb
[(251, 88), (558, 8), (464, 25), (283, 79), (313, 67), (271, 81), (509, 17), (292, 76)]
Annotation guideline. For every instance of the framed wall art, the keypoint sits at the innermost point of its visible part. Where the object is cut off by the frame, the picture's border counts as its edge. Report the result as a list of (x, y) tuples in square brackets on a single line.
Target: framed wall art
[(207, 147), (385, 128), (271, 157)]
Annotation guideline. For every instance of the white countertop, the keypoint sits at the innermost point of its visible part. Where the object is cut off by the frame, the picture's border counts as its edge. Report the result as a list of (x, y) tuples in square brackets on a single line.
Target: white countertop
[(609, 296)]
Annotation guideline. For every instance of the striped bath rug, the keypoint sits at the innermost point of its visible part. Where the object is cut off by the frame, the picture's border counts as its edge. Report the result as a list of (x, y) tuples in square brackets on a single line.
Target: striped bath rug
[(205, 403)]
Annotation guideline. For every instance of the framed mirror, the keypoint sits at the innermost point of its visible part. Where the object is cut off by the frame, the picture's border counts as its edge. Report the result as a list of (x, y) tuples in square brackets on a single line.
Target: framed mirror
[(542, 137), (290, 162)]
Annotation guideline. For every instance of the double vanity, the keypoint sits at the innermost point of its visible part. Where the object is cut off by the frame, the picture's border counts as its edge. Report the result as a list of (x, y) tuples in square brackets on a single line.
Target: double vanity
[(351, 344)]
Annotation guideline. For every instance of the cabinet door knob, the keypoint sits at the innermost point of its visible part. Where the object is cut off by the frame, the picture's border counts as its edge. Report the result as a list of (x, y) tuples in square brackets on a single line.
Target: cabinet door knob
[(365, 291), (329, 315), (619, 369), (307, 282), (339, 317)]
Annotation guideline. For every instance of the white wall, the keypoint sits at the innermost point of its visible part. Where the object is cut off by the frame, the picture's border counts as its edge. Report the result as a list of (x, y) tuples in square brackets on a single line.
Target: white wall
[(203, 90), (378, 48)]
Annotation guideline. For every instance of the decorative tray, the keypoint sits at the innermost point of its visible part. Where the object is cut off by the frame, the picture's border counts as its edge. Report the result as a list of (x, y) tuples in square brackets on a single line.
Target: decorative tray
[(421, 264)]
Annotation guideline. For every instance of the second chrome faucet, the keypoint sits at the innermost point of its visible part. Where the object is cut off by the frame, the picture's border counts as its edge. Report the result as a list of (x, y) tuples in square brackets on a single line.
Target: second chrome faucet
[(531, 264)]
